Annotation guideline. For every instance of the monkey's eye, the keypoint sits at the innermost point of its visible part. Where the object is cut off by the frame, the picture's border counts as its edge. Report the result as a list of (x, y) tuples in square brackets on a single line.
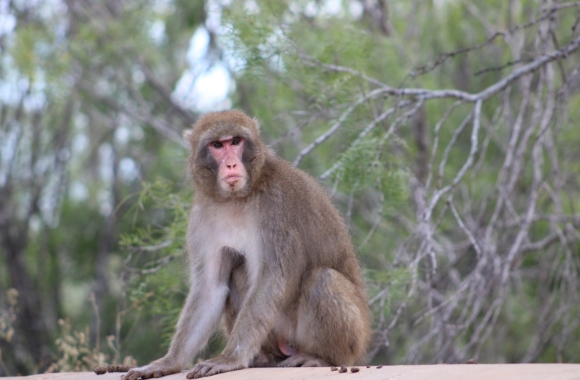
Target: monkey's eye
[(217, 144), (236, 141)]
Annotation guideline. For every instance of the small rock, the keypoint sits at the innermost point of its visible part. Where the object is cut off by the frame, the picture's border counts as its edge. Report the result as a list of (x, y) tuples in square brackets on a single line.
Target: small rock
[(354, 369), (100, 370)]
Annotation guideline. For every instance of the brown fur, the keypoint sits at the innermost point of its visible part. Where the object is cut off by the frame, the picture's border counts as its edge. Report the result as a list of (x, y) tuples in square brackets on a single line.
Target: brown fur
[(274, 260)]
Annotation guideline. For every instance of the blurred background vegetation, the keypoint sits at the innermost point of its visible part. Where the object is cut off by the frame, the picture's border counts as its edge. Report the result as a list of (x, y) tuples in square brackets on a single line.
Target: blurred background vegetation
[(464, 211)]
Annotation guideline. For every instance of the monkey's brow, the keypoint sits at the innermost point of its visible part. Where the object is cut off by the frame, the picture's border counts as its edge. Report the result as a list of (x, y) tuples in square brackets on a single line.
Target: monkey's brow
[(220, 138), (229, 138)]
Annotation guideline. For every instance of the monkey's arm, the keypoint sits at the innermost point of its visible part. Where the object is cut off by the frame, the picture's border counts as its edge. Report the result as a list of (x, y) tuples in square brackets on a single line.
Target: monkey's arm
[(254, 322), (199, 318)]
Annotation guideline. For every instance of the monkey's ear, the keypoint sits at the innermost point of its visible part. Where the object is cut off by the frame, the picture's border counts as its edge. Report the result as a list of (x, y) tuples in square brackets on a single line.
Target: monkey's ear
[(188, 134), (257, 123)]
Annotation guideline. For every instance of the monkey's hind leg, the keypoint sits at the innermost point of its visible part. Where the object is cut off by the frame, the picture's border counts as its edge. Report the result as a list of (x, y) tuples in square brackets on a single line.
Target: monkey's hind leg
[(332, 322)]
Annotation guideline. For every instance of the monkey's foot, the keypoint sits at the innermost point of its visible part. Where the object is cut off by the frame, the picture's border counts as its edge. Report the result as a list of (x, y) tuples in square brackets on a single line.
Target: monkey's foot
[(303, 360), (219, 364), (153, 370), (263, 359)]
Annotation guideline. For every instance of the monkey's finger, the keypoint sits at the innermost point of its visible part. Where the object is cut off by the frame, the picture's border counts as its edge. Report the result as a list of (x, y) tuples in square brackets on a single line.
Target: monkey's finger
[(215, 371), (132, 375), (193, 375), (169, 371), (197, 368), (205, 370)]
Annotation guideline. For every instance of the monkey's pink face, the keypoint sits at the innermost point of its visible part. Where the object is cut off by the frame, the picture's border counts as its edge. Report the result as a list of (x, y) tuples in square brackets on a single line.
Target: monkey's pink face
[(232, 174)]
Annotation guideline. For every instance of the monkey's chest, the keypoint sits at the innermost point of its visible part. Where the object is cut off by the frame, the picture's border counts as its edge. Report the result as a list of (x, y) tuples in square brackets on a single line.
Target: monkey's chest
[(211, 231)]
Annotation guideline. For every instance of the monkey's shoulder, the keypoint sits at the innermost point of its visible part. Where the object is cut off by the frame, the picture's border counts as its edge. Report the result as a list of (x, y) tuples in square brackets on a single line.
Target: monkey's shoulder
[(288, 193), (282, 180)]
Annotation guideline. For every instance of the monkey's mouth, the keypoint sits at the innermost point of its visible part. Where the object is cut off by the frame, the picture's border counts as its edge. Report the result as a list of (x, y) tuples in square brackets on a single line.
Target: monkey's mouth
[(232, 179)]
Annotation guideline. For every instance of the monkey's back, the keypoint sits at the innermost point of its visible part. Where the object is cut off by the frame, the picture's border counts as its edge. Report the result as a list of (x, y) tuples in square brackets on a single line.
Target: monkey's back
[(305, 235), (298, 213)]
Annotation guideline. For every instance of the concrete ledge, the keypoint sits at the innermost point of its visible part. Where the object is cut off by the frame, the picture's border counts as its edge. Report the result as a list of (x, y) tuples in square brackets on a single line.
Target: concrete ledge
[(401, 372)]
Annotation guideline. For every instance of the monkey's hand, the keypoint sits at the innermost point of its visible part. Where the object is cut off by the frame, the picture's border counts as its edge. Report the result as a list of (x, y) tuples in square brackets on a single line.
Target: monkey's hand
[(219, 364), (158, 368)]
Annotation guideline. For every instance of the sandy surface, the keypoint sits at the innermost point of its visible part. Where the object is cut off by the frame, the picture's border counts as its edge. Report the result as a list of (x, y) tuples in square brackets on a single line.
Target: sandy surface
[(405, 372)]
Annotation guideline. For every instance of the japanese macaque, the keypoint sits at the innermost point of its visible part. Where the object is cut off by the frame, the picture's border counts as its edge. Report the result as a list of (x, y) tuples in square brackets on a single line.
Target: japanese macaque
[(271, 261)]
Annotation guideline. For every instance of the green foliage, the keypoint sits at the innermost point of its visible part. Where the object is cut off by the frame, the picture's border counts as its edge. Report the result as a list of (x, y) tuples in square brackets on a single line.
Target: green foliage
[(364, 165), (77, 355), (8, 309), (173, 207), (24, 51), (389, 285), (158, 250)]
